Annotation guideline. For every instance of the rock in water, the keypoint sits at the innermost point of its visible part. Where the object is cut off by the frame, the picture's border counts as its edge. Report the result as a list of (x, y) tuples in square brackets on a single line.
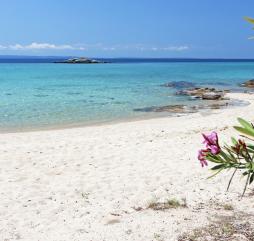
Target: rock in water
[(203, 93), (184, 109), (174, 109), (80, 60), (248, 84), (211, 96), (169, 108)]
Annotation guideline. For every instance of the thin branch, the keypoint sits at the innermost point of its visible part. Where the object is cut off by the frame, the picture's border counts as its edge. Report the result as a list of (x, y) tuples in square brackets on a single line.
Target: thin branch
[(246, 184), (247, 137), (231, 178)]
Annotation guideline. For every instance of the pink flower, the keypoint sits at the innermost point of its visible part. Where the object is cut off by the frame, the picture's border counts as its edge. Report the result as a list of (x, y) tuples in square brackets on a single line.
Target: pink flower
[(202, 157), (212, 143)]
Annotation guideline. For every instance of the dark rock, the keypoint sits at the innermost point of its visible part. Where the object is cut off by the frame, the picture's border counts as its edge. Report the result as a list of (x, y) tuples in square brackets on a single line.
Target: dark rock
[(218, 105), (175, 109), (203, 93), (145, 109), (179, 84), (198, 91), (211, 96), (169, 108), (80, 61), (248, 84), (184, 109)]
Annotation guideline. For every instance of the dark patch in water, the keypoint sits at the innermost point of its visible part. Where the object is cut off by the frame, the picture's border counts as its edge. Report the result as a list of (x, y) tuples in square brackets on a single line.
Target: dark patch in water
[(73, 93), (44, 89), (122, 102), (8, 94), (103, 103), (216, 83), (145, 109), (118, 103), (102, 97), (93, 102), (66, 85), (179, 84), (40, 95), (83, 101)]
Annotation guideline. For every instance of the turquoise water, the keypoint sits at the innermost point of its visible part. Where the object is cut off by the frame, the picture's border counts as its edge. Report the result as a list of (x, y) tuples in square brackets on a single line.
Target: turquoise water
[(49, 95)]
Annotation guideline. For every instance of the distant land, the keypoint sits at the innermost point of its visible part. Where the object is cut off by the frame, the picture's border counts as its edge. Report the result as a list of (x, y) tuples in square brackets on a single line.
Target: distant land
[(52, 59), (80, 60)]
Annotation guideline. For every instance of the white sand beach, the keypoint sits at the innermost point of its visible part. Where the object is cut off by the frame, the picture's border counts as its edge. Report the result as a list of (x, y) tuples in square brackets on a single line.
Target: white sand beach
[(97, 183)]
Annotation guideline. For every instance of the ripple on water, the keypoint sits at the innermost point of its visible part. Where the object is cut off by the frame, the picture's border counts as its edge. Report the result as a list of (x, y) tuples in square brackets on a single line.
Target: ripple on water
[(41, 95), (58, 94), (74, 93)]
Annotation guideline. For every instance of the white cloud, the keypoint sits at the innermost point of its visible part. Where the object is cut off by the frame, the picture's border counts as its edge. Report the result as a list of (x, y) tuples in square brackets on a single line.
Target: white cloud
[(2, 47), (138, 47), (96, 47), (15, 47), (177, 48), (167, 48), (41, 46), (109, 48)]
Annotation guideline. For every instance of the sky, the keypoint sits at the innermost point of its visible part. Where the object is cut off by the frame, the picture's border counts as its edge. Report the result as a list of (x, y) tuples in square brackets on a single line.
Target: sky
[(127, 28)]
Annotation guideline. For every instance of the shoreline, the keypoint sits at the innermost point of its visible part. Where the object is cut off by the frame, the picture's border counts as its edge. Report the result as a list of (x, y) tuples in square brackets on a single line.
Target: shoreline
[(150, 116), (99, 182)]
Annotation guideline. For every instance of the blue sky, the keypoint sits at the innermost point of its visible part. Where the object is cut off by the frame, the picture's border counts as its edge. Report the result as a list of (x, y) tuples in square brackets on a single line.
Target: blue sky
[(127, 28)]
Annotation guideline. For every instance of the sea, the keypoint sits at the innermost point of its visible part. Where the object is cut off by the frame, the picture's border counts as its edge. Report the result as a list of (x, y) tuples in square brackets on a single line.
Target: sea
[(36, 93)]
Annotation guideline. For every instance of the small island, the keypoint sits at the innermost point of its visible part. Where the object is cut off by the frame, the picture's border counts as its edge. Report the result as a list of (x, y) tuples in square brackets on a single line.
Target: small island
[(80, 60)]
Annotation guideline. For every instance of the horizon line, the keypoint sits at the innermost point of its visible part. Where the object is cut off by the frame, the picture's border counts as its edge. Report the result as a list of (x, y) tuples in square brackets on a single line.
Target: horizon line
[(122, 57)]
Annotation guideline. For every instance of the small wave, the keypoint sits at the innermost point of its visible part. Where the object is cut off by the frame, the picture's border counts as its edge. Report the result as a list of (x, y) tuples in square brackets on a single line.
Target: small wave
[(41, 95), (74, 93)]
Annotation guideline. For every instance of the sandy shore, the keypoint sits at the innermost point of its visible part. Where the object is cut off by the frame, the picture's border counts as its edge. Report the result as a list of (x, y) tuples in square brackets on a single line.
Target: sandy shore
[(96, 183)]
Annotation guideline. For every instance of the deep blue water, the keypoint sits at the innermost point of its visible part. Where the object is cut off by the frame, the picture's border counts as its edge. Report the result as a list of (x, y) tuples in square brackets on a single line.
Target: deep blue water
[(35, 95)]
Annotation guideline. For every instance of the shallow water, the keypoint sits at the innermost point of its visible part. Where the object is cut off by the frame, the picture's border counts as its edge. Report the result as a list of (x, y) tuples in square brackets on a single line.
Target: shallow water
[(46, 95)]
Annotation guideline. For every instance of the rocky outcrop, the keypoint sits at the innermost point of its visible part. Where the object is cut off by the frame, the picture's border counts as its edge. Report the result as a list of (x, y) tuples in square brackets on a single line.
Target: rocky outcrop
[(169, 108), (212, 99), (203, 93), (212, 96), (179, 84), (248, 84), (185, 109), (80, 61)]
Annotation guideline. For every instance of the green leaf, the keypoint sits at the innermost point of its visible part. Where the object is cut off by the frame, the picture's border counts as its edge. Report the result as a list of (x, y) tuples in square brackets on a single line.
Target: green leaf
[(246, 173), (250, 20), (251, 178), (250, 147), (214, 158), (230, 152), (245, 124), (225, 156), (216, 173), (244, 131), (218, 167), (234, 141), (250, 150)]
